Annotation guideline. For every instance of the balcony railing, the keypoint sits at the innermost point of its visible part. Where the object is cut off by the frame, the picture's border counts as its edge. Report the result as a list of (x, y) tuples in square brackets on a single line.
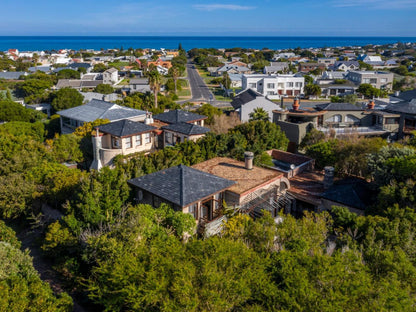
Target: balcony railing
[(353, 130)]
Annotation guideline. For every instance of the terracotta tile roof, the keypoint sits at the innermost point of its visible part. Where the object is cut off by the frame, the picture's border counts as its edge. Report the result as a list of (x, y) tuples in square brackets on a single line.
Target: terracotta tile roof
[(235, 170)]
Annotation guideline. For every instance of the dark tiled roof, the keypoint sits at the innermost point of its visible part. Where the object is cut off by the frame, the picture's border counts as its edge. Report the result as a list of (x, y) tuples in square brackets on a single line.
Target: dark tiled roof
[(244, 97), (350, 192), (177, 115), (338, 107), (125, 127), (407, 95), (96, 109), (11, 75), (181, 185), (407, 107), (186, 128), (79, 65)]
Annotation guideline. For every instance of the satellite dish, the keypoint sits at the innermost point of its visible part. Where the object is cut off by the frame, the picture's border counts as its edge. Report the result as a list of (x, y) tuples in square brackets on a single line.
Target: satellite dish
[(292, 166)]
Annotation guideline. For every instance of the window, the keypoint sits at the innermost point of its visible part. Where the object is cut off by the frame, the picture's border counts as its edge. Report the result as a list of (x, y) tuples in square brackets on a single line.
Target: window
[(270, 93), (147, 138), (270, 85), (280, 85), (128, 142), (138, 140), (383, 80), (289, 84), (169, 138), (351, 118), (298, 84), (116, 142), (392, 121), (335, 118), (192, 209), (252, 85)]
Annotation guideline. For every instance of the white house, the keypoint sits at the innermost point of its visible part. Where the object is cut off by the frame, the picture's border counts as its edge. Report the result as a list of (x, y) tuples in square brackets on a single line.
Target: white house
[(110, 76), (248, 100), (274, 86)]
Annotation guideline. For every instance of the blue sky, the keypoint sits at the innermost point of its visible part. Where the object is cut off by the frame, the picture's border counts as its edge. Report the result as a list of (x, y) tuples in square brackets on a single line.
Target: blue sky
[(180, 17)]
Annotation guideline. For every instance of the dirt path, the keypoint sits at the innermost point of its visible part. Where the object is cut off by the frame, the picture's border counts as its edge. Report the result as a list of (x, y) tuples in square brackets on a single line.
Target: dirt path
[(30, 240)]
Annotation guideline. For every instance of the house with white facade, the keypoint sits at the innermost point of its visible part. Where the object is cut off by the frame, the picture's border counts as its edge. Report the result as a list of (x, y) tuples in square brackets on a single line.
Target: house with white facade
[(274, 86), (110, 76), (248, 100), (378, 79)]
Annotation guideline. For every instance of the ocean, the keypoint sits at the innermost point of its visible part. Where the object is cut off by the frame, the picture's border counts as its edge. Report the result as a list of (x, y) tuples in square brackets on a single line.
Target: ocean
[(37, 43)]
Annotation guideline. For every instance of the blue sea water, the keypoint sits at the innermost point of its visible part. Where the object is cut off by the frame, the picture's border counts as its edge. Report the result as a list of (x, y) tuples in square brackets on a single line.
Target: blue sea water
[(32, 43)]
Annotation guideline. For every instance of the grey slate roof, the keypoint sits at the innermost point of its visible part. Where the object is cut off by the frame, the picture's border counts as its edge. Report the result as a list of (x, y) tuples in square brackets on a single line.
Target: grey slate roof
[(68, 83), (407, 107), (407, 95), (123, 128), (181, 185), (177, 115), (338, 107), (11, 75), (245, 97), (186, 128), (96, 109), (350, 192)]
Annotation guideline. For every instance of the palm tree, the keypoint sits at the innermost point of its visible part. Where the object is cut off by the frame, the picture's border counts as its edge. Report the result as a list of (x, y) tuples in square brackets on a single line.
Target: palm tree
[(175, 73), (155, 81), (259, 114)]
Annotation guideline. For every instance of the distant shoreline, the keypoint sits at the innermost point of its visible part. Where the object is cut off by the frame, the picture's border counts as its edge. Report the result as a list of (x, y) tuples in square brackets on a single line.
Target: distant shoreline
[(33, 43)]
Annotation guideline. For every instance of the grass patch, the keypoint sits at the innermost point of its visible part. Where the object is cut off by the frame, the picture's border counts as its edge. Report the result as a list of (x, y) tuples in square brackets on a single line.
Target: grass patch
[(219, 95)]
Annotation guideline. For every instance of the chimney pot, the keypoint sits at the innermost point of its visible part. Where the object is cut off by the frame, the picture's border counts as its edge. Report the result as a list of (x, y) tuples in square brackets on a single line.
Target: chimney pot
[(328, 177), (371, 104), (248, 158), (295, 104)]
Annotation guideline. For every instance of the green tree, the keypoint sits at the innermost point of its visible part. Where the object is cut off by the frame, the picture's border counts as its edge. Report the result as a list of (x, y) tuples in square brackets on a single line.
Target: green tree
[(99, 68), (259, 114), (313, 89), (68, 74), (174, 72), (209, 111), (66, 98), (226, 81), (104, 89), (155, 82)]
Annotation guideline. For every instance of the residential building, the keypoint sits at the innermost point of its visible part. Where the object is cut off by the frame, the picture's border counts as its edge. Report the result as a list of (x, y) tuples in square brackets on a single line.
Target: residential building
[(328, 61), (185, 189), (338, 118), (121, 137), (248, 100), (276, 68), (274, 86), (403, 116), (256, 188), (110, 76), (345, 66), (379, 80), (310, 66), (74, 117), (179, 126)]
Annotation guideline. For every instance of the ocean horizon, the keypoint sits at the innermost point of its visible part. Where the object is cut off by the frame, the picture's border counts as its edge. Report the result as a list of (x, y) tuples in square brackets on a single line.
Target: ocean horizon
[(38, 43)]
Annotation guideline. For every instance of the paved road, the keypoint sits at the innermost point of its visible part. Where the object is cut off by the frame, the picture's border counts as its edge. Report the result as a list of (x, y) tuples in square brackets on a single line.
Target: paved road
[(200, 91)]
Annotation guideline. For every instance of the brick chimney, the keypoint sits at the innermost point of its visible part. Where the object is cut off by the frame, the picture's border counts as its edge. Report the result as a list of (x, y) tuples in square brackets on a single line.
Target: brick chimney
[(371, 104)]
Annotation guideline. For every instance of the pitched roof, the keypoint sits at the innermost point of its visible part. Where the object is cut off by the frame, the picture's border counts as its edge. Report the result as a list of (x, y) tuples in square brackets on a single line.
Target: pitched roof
[(68, 83), (407, 95), (407, 107), (186, 128), (96, 109), (338, 107), (11, 75), (125, 127), (177, 115), (181, 185), (245, 97), (350, 192)]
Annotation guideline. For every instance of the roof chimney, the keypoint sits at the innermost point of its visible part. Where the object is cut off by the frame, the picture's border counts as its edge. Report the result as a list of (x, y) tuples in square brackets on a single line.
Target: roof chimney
[(295, 105), (371, 104), (248, 158), (328, 177)]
